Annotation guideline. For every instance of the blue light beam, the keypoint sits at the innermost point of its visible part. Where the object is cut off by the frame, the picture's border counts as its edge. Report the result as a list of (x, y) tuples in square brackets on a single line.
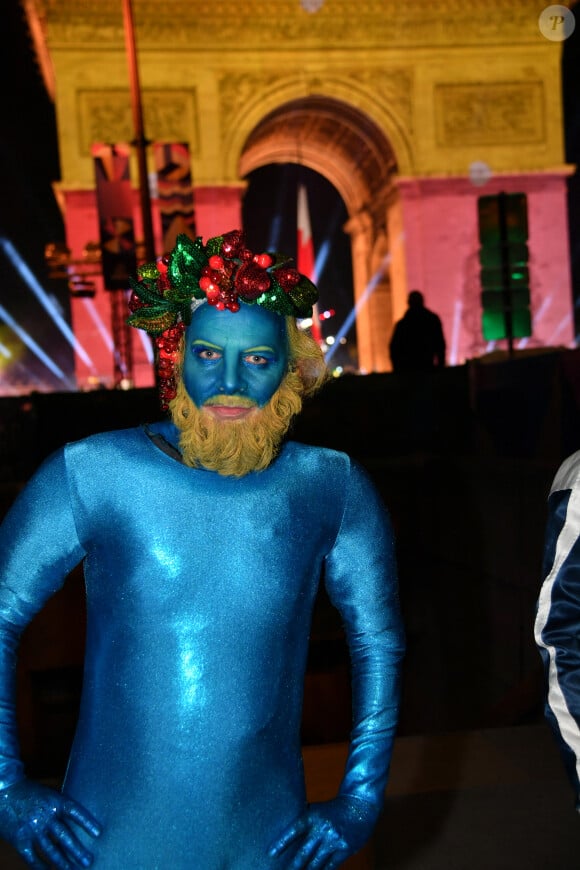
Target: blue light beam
[(353, 314), (321, 258), (98, 322), (34, 347), (30, 280)]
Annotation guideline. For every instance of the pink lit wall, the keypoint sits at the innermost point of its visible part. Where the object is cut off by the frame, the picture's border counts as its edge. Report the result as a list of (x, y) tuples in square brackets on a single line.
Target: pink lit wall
[(439, 217), (91, 318), (441, 245), (215, 208), (218, 209)]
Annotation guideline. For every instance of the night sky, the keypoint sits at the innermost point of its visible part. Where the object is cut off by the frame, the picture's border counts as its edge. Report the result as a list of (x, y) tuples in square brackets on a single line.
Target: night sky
[(29, 216), (571, 106)]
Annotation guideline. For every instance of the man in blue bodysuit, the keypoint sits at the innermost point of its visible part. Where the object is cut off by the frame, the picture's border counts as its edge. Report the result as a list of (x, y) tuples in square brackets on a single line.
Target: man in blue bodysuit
[(203, 540)]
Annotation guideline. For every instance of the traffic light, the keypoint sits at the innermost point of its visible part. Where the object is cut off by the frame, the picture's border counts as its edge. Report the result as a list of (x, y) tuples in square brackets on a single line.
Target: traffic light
[(503, 256)]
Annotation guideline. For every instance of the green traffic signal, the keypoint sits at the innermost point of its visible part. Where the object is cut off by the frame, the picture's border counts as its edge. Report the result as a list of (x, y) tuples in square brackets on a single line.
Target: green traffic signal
[(503, 256), (494, 300), (510, 209), (496, 279), (494, 255), (495, 324)]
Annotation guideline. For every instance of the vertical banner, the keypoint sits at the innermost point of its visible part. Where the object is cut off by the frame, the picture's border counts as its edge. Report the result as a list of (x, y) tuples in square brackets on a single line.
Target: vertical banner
[(175, 191), (115, 207), (305, 261)]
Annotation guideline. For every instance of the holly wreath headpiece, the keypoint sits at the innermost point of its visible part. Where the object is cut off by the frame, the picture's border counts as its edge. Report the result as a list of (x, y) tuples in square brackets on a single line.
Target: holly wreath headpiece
[(223, 273)]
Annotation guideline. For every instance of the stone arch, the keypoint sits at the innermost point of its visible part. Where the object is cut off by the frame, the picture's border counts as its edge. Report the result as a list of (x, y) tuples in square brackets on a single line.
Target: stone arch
[(344, 145), (249, 99)]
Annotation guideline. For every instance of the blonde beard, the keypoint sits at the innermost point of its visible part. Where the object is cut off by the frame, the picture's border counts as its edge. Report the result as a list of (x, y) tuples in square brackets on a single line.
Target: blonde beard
[(235, 447)]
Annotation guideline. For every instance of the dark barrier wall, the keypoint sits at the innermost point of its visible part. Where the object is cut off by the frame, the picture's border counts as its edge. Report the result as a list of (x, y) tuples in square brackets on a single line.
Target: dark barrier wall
[(527, 408)]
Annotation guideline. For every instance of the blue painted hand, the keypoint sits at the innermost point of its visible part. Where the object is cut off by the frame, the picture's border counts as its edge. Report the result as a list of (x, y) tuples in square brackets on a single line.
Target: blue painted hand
[(40, 823), (327, 833)]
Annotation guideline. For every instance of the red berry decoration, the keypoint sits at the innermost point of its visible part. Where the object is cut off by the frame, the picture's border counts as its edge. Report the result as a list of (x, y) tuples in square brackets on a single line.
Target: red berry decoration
[(163, 284), (232, 243), (251, 281), (216, 262), (287, 278), (263, 260), (135, 303), (165, 368)]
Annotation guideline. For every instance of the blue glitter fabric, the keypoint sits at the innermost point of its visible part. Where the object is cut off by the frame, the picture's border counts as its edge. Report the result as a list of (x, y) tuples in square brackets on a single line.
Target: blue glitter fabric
[(200, 591)]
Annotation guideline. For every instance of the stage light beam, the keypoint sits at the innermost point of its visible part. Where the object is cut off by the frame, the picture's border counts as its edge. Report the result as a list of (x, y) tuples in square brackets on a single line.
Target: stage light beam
[(455, 331), (98, 322), (42, 296), (353, 314), (34, 347)]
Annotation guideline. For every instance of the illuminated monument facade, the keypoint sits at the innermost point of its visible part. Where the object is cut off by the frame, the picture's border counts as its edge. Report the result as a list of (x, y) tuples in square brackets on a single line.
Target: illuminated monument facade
[(397, 105)]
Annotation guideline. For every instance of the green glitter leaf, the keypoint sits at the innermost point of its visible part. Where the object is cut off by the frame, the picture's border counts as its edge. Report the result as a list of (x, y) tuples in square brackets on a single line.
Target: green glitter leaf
[(152, 321)]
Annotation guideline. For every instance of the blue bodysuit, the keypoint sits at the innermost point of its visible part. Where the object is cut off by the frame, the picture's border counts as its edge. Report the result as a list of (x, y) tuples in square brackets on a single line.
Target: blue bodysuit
[(200, 590)]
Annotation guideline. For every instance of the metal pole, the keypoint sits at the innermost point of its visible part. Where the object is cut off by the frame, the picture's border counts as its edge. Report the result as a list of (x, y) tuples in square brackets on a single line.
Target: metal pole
[(140, 142), (506, 272)]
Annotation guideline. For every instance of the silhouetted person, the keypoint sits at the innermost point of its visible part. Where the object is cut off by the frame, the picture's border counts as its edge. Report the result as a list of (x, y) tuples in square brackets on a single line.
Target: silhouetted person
[(418, 343)]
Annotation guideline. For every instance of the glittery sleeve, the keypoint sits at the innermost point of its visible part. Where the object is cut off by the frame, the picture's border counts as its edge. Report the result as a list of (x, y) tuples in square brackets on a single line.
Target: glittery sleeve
[(362, 584), (39, 546)]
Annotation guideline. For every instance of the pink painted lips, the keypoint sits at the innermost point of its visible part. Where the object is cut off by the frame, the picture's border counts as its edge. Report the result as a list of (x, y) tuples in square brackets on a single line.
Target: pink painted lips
[(230, 407), (229, 412)]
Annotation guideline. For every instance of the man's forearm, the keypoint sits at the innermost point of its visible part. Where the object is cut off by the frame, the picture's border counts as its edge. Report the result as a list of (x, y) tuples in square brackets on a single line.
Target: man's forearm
[(11, 767)]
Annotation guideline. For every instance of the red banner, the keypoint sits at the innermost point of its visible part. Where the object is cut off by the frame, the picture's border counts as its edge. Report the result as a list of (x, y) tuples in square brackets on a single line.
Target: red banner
[(115, 207), (175, 191)]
